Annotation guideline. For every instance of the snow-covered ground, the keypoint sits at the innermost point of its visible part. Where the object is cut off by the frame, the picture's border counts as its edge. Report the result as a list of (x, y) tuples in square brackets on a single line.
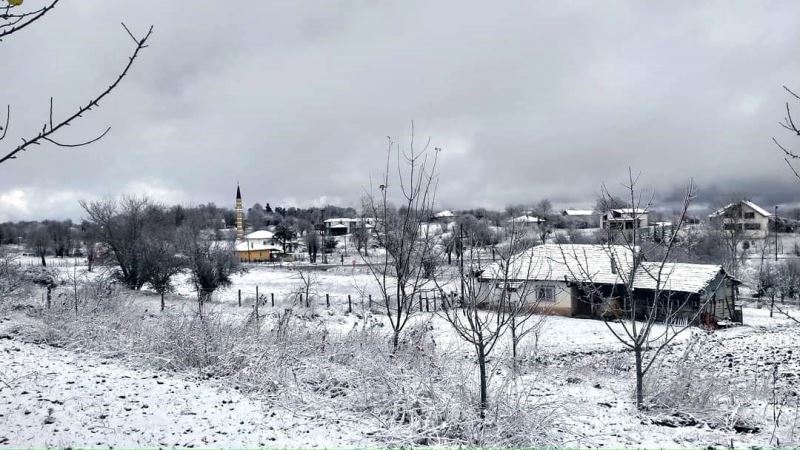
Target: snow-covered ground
[(58, 398), (579, 371)]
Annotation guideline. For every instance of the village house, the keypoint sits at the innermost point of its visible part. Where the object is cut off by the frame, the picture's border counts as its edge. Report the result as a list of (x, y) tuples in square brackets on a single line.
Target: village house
[(624, 219), (526, 220), (591, 281), (578, 218), (258, 246), (341, 226), (444, 216), (745, 217)]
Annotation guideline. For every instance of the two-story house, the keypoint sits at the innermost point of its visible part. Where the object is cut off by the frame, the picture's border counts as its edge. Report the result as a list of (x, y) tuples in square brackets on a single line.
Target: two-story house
[(624, 219), (751, 220)]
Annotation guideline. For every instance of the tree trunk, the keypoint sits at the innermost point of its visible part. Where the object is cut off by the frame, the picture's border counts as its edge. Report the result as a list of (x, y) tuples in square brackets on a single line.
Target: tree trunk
[(513, 327), (396, 340), (637, 350), (49, 296), (44, 263), (484, 382), (771, 305), (162, 301)]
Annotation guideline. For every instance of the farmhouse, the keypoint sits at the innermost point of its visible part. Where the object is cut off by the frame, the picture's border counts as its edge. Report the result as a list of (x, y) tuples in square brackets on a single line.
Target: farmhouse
[(592, 280), (743, 217)]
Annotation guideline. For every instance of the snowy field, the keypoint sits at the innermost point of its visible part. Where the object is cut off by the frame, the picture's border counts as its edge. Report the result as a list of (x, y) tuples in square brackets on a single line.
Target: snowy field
[(63, 388)]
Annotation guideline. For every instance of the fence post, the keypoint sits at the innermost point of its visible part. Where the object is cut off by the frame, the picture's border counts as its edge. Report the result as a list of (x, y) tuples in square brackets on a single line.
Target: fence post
[(420, 302), (427, 304), (434, 302), (301, 299), (370, 302), (328, 300), (240, 298), (349, 304), (257, 303), (272, 298)]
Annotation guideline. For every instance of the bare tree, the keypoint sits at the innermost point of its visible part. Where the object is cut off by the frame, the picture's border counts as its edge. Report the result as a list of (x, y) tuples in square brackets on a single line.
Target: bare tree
[(125, 227), (165, 263), (41, 244), (312, 241), (492, 296), (307, 284), (211, 263), (361, 237), (788, 123), (632, 312), (410, 179), (14, 18)]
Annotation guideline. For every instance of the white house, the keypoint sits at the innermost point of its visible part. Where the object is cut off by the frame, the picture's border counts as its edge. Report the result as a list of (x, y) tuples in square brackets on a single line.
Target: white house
[(340, 226), (624, 219), (746, 217)]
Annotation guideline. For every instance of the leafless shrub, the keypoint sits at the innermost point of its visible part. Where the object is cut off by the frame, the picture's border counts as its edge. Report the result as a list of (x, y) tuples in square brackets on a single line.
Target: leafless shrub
[(415, 395), (687, 388)]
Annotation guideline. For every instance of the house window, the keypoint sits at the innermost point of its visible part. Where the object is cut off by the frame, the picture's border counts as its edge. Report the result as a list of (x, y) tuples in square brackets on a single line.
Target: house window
[(546, 293), (749, 215), (752, 226)]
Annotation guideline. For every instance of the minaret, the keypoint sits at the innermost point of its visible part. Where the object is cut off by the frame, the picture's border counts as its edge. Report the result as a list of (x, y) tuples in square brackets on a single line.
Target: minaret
[(239, 214)]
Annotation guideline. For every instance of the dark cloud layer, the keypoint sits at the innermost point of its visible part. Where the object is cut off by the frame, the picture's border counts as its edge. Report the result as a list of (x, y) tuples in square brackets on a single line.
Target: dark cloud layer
[(295, 99)]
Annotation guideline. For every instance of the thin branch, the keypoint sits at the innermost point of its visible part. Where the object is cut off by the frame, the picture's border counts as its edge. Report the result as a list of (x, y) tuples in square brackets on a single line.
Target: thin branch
[(34, 16), (45, 135)]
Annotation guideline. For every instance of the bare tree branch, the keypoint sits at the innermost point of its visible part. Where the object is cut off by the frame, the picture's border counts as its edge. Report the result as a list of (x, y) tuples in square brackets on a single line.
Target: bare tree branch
[(47, 132)]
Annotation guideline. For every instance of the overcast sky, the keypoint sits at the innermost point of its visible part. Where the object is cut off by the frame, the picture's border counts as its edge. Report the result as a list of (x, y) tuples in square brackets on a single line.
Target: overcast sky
[(294, 100)]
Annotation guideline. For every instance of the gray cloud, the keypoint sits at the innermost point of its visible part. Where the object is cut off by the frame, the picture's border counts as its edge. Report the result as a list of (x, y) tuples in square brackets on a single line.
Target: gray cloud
[(295, 99)]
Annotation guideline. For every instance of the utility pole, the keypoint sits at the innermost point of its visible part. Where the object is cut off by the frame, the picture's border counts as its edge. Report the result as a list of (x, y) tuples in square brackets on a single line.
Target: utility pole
[(461, 247), (775, 230), (324, 235)]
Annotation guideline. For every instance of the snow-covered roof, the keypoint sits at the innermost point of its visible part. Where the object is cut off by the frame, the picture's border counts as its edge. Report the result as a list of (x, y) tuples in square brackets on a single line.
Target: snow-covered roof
[(677, 277), (341, 220), (260, 234), (443, 214), (577, 212), (572, 262), (629, 210), (526, 219), (593, 264), (748, 203), (243, 246)]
